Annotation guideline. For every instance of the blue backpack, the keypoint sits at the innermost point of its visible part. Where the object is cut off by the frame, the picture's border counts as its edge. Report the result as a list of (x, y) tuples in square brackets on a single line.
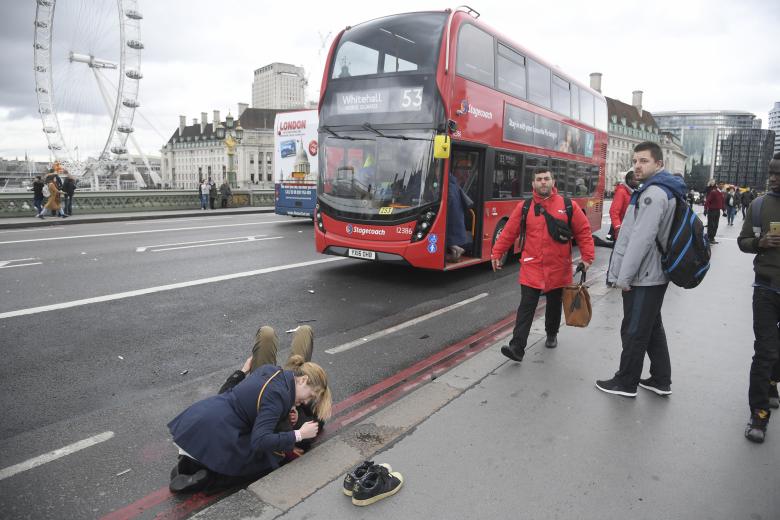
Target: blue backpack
[(686, 258)]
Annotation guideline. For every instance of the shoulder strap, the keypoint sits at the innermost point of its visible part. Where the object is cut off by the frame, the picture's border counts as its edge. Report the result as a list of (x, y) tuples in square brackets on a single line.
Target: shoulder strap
[(260, 396), (755, 211), (569, 208), (523, 218)]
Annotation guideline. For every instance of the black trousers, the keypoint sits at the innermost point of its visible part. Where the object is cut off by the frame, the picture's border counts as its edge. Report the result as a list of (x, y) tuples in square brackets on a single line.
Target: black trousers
[(529, 298), (713, 219), (642, 331), (765, 366)]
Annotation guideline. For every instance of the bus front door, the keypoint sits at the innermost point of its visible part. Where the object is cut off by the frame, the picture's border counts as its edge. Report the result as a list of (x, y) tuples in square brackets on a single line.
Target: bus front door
[(466, 167)]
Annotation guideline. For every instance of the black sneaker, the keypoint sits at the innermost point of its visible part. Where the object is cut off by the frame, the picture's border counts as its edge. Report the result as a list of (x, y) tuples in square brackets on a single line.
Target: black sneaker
[(613, 387), (512, 354), (774, 400), (376, 484), (756, 428), (551, 341), (359, 472), (652, 385), (189, 483)]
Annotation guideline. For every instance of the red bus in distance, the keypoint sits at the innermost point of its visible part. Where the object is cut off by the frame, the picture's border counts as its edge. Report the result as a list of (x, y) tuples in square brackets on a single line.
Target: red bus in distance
[(393, 84)]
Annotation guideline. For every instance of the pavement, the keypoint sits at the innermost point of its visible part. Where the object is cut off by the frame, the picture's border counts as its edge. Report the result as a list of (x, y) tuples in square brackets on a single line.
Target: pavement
[(492, 438), (32, 221)]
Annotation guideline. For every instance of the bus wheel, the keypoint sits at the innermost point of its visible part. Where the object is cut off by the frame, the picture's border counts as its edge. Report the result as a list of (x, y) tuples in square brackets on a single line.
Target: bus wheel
[(496, 234)]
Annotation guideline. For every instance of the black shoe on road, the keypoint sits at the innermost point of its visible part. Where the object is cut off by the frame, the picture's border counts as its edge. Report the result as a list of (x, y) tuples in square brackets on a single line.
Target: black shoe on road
[(774, 400), (551, 341), (713, 241), (756, 428), (351, 478), (375, 485), (613, 387), (652, 385), (512, 354), (189, 483)]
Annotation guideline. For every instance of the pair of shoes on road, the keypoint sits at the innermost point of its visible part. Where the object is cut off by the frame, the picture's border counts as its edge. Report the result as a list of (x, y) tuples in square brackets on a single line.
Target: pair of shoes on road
[(369, 483), (756, 427), (612, 386)]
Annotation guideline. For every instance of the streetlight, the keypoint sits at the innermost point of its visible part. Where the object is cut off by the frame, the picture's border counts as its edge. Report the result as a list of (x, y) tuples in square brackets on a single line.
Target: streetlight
[(232, 136)]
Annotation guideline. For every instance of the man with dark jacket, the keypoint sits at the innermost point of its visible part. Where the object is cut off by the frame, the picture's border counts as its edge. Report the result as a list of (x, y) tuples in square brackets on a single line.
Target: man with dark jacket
[(635, 267), (69, 190), (715, 205), (38, 195), (764, 242), (546, 262), (619, 205)]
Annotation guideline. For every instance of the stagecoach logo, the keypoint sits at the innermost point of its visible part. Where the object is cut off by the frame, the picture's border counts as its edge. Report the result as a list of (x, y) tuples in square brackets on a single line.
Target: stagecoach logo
[(364, 231), (466, 108)]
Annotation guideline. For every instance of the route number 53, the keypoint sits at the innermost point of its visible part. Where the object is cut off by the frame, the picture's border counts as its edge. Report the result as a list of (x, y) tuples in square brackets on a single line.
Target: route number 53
[(412, 98)]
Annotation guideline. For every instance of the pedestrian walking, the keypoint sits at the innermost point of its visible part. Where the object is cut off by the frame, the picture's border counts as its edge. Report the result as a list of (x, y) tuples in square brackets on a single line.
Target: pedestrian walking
[(224, 191), (760, 235), (203, 193), (38, 195), (635, 267), (715, 205), (547, 225), (68, 192), (212, 194), (619, 205), (731, 206), (53, 205), (744, 202)]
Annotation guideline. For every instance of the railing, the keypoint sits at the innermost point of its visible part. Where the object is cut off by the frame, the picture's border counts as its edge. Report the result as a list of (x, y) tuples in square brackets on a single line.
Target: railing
[(20, 204)]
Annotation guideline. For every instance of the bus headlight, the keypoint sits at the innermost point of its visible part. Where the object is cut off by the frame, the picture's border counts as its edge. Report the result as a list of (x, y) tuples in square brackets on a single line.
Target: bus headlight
[(318, 218), (423, 226)]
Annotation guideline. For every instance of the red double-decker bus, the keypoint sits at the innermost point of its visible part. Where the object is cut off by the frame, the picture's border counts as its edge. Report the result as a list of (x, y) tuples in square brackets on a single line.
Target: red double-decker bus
[(394, 87)]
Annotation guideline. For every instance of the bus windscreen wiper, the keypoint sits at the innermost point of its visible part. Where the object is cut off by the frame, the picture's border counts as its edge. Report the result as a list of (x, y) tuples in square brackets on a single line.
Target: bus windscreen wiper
[(346, 137), (386, 136)]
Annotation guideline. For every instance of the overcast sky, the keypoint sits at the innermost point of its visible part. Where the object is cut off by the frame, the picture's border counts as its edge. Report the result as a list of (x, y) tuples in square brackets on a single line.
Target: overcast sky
[(200, 55)]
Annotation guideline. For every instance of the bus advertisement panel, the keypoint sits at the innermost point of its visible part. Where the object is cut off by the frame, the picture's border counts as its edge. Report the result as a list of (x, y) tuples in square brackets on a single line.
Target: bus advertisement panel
[(295, 164)]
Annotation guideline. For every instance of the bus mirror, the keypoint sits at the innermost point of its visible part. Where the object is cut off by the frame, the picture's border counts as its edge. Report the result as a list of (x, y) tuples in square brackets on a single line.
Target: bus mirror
[(441, 147)]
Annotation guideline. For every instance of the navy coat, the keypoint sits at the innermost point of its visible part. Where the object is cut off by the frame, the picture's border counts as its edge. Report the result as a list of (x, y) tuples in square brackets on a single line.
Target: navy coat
[(227, 435), (457, 204)]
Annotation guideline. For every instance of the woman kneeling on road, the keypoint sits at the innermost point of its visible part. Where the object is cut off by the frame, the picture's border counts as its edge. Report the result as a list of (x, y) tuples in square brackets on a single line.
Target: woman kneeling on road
[(232, 437)]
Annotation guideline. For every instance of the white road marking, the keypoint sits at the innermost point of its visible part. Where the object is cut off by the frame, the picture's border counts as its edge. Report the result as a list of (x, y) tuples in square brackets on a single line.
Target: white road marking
[(217, 244), (141, 232), (19, 265), (162, 288), (166, 220), (400, 326), (54, 455), (250, 237)]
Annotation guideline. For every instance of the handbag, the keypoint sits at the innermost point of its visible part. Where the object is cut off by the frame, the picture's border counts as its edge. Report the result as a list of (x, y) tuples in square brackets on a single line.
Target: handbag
[(260, 396), (576, 303)]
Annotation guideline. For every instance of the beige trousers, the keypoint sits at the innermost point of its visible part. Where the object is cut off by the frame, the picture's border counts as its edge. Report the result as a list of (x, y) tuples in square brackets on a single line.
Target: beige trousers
[(267, 344)]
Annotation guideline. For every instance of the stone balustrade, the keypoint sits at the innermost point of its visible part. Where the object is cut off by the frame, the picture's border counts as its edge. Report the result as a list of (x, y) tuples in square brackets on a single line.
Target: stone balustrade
[(20, 204)]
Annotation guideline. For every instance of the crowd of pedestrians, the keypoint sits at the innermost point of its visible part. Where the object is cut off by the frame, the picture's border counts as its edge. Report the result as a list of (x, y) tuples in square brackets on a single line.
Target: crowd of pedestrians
[(52, 196), (208, 193)]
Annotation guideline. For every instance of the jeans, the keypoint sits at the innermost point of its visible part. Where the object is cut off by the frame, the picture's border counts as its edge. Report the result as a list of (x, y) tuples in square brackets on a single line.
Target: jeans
[(766, 347), (713, 219), (38, 203), (204, 201), (731, 211), (642, 331), (529, 297), (68, 204)]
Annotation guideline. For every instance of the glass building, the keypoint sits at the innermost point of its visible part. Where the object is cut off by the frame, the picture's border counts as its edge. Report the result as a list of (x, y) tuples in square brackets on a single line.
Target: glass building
[(742, 156), (774, 124), (698, 132)]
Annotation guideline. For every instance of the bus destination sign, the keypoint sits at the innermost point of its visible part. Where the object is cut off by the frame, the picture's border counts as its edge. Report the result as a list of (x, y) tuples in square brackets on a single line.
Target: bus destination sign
[(380, 100), (522, 126)]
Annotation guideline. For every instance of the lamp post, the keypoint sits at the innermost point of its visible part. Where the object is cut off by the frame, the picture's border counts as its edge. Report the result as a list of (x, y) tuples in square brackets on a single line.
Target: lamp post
[(231, 133)]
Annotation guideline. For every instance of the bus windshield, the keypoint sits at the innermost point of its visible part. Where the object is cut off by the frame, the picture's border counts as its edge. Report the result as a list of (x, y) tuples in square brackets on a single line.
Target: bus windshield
[(389, 45), (365, 175)]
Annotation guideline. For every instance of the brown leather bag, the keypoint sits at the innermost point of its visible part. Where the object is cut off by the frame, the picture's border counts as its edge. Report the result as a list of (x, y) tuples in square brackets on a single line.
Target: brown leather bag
[(576, 304)]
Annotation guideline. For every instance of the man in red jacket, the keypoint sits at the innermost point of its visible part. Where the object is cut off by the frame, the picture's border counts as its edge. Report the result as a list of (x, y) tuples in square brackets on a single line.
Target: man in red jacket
[(545, 262), (715, 204), (620, 201)]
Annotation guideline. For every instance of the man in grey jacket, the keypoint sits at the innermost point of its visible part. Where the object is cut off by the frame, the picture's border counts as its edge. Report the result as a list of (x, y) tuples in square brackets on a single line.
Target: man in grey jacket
[(635, 267)]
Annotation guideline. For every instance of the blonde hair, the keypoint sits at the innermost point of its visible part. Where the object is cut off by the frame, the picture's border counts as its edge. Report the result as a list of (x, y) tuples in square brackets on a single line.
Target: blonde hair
[(318, 381)]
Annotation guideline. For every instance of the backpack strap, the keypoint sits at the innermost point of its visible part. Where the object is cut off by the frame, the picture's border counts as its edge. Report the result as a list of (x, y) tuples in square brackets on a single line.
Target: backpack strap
[(755, 214), (523, 218), (569, 209), (260, 396)]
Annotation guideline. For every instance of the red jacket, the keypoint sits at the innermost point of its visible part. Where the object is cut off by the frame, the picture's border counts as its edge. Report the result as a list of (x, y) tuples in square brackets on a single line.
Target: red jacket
[(545, 263), (715, 200), (619, 206)]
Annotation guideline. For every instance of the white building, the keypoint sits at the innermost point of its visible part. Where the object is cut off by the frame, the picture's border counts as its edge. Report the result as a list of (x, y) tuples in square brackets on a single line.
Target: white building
[(279, 86), (774, 124), (193, 152)]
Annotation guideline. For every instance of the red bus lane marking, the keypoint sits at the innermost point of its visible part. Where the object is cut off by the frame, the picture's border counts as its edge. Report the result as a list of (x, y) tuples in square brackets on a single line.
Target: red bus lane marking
[(358, 406)]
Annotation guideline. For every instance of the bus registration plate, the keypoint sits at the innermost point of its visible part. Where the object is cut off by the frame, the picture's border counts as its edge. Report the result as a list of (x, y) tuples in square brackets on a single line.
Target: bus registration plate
[(359, 253)]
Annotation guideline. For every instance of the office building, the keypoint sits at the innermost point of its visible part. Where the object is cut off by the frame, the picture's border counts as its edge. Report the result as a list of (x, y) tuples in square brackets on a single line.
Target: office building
[(774, 124), (279, 86)]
